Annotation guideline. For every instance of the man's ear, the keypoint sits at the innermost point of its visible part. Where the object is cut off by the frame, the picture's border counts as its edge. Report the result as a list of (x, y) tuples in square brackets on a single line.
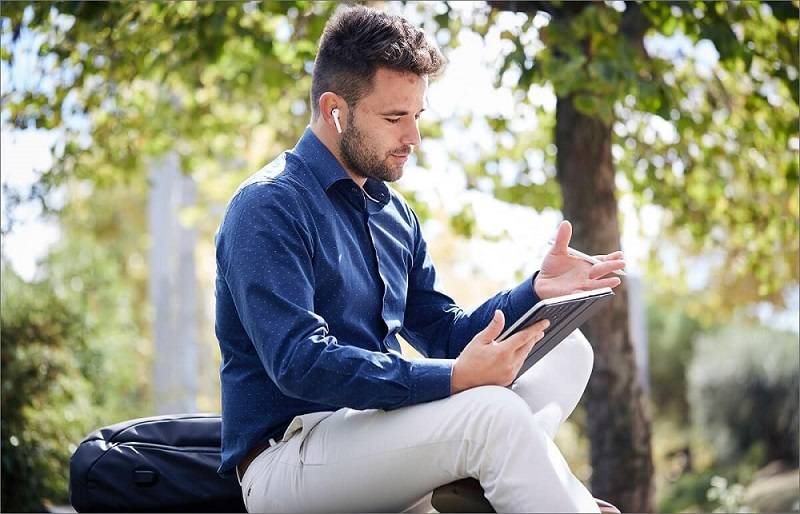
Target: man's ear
[(328, 102)]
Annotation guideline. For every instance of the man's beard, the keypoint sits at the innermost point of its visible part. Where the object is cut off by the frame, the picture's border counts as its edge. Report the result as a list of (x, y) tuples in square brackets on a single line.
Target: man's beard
[(363, 160)]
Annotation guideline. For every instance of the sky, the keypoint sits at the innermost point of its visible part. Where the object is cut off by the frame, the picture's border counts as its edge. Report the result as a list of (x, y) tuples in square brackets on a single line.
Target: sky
[(23, 157)]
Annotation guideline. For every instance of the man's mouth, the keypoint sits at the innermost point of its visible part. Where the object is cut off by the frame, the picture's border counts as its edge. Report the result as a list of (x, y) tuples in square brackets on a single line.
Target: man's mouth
[(402, 155)]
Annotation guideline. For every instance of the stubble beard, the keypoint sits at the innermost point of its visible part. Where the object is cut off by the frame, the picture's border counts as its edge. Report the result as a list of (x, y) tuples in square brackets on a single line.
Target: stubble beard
[(362, 160)]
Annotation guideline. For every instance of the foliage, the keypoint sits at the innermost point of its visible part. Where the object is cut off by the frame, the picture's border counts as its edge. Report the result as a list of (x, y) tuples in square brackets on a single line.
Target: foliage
[(221, 85), (73, 354), (106, 283), (216, 82), (729, 496), (225, 85), (729, 173), (45, 396), (715, 144), (705, 491), (743, 390), (671, 333)]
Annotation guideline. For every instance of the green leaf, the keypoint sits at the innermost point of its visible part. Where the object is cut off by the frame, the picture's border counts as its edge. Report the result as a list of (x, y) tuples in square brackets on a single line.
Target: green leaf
[(587, 104)]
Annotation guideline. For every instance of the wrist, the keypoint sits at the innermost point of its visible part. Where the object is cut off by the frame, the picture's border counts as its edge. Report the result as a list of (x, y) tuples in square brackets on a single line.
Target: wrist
[(456, 380), (537, 286), (543, 288)]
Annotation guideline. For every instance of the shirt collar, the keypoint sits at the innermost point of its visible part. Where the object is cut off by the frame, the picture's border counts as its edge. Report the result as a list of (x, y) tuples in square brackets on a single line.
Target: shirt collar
[(328, 170)]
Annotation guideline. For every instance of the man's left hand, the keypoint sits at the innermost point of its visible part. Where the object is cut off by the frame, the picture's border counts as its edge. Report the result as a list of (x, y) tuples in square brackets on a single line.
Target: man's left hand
[(563, 274)]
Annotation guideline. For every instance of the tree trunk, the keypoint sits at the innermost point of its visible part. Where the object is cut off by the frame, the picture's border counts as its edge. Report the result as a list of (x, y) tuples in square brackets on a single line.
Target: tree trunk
[(618, 422), (173, 288)]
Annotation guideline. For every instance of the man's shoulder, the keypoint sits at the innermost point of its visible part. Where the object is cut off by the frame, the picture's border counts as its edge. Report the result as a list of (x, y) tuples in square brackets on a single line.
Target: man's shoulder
[(279, 177), (279, 183), (272, 193), (268, 204)]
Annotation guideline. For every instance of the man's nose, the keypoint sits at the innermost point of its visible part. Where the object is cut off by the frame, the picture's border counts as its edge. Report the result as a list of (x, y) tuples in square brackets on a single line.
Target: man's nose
[(411, 133)]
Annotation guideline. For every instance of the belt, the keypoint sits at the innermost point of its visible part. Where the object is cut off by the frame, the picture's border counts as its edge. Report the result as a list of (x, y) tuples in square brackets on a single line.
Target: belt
[(254, 452)]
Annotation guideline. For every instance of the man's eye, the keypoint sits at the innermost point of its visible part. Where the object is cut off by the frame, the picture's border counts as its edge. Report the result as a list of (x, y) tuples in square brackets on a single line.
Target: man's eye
[(392, 120)]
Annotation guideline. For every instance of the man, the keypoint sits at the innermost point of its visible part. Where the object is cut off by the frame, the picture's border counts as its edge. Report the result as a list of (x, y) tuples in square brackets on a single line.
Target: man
[(320, 266)]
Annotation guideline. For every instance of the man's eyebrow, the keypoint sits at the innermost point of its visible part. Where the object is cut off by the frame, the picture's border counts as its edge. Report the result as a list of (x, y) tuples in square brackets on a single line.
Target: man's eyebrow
[(396, 112)]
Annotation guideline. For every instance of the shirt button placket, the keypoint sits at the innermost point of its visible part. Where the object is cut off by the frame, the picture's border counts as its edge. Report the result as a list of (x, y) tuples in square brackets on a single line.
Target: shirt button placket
[(385, 285)]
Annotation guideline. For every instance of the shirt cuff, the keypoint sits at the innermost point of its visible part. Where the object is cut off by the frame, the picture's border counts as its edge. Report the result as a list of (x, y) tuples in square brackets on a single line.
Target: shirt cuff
[(430, 379), (522, 298)]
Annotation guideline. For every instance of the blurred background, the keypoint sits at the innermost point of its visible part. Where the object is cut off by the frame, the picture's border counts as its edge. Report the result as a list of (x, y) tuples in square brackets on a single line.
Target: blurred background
[(669, 129)]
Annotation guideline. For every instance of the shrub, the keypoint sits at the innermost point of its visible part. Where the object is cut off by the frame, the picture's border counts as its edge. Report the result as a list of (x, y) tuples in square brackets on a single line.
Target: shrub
[(670, 335), (72, 360), (743, 391), (45, 398)]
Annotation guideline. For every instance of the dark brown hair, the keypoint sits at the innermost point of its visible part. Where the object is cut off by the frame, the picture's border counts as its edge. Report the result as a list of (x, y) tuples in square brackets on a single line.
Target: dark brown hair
[(359, 40)]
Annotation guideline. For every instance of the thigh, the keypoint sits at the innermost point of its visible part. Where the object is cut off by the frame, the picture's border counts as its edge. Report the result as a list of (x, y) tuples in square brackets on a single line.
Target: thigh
[(372, 460)]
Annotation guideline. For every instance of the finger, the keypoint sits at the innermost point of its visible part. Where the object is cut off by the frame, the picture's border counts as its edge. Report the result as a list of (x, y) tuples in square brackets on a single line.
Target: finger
[(493, 329), (604, 268), (523, 337), (523, 351), (605, 282), (562, 238), (611, 256)]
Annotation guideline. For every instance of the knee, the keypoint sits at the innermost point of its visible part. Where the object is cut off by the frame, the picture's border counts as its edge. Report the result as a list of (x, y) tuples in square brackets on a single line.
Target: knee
[(493, 397), (497, 405), (582, 353)]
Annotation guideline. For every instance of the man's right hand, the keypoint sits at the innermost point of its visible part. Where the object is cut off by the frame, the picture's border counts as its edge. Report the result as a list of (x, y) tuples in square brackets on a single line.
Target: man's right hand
[(485, 361)]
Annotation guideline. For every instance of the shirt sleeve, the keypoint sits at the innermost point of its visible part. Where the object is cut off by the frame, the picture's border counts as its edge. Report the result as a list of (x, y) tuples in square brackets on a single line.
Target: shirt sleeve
[(435, 326), (265, 252)]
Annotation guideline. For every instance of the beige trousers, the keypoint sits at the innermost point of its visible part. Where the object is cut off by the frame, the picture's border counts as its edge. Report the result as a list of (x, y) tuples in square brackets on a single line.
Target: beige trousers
[(388, 461)]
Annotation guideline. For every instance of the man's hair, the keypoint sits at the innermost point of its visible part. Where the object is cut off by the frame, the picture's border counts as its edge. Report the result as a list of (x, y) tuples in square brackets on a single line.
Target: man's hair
[(359, 40)]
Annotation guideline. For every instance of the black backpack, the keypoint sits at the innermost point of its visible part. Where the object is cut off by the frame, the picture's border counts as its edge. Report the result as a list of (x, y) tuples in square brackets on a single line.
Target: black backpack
[(163, 463)]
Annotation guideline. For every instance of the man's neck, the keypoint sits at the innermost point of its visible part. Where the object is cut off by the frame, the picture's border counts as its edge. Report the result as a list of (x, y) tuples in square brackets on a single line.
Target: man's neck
[(331, 142)]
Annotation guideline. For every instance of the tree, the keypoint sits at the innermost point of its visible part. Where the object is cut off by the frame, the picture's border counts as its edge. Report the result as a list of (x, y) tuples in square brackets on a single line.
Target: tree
[(619, 426), (609, 90)]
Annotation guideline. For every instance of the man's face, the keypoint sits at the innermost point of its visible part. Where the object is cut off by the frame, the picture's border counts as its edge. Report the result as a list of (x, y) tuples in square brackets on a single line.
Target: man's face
[(383, 130)]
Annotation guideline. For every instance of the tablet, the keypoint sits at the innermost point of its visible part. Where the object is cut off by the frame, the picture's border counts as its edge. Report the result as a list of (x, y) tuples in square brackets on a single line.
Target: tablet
[(566, 313)]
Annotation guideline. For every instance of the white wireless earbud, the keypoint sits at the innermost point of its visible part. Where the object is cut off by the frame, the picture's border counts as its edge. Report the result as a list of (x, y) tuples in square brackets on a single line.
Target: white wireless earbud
[(335, 114)]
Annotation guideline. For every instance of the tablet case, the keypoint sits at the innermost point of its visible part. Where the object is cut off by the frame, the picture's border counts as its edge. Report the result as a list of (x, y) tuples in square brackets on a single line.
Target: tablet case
[(565, 317)]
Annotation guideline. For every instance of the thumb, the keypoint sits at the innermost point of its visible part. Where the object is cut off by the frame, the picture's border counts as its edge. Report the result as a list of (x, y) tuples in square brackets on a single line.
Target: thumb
[(563, 236), (493, 329)]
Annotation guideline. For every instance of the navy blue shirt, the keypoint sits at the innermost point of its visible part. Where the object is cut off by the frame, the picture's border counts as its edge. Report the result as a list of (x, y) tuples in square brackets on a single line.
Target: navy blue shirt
[(316, 278)]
